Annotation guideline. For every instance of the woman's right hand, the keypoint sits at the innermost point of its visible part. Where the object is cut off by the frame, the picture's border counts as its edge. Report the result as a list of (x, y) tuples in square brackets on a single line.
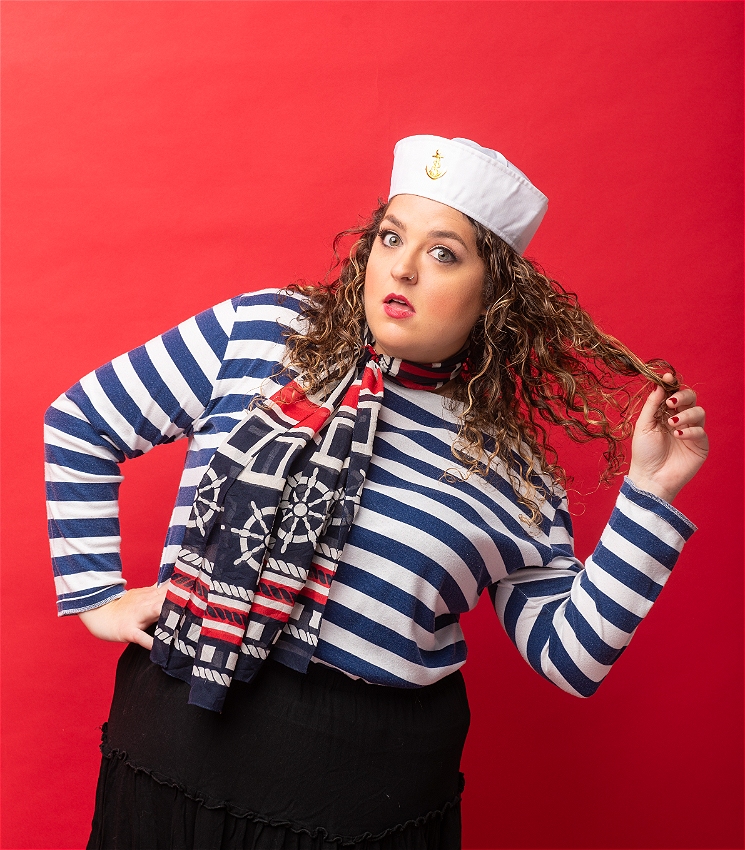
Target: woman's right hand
[(125, 618)]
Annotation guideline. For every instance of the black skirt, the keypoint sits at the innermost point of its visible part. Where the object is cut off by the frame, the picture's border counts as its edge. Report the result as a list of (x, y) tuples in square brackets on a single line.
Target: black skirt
[(314, 761)]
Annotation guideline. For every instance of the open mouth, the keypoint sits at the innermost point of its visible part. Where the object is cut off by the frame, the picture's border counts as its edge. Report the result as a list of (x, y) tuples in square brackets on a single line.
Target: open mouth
[(399, 303)]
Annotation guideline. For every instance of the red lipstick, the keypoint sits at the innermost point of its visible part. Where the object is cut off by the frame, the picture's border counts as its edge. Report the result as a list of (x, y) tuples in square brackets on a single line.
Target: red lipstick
[(397, 307)]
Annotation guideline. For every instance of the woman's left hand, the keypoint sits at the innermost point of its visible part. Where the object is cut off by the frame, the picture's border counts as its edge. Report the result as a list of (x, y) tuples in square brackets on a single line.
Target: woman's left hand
[(665, 456)]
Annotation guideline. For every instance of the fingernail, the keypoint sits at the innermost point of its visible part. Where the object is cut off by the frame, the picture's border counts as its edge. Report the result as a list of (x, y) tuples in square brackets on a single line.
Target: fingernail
[(674, 400), (679, 433), (675, 418)]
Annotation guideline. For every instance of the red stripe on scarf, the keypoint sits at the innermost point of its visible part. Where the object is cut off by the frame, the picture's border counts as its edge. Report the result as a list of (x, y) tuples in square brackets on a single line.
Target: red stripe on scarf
[(414, 369), (308, 593), (296, 405)]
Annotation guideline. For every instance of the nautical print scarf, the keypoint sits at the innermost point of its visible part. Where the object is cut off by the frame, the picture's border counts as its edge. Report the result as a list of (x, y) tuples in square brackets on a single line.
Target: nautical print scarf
[(268, 525)]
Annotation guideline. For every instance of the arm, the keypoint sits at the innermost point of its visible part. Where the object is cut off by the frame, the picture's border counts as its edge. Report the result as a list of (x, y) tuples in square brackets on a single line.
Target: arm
[(571, 624), (151, 395)]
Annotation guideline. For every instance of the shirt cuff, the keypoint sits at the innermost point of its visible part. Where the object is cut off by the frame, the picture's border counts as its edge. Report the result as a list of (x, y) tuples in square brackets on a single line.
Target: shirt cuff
[(659, 507)]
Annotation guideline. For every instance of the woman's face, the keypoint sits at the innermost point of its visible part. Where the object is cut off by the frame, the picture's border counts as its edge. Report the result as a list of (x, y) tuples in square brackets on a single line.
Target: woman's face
[(424, 281)]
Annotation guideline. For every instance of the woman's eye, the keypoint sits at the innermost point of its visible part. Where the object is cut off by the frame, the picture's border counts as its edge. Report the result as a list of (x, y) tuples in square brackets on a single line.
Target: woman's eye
[(390, 239), (443, 255)]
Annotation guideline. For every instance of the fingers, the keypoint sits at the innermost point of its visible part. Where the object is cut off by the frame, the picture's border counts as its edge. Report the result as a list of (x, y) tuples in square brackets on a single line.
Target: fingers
[(648, 414), (694, 434), (148, 602), (692, 417), (142, 638), (683, 399)]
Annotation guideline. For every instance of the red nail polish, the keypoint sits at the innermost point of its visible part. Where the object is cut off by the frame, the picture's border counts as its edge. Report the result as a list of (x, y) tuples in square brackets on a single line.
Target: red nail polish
[(675, 418), (679, 433), (674, 400)]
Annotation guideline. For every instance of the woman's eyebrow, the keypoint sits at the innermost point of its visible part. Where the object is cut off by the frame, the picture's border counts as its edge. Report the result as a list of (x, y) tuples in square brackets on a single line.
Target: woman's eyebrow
[(433, 234), (394, 220), (446, 234)]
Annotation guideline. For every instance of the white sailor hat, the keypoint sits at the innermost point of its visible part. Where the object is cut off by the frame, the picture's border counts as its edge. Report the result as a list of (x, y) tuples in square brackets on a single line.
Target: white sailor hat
[(477, 181)]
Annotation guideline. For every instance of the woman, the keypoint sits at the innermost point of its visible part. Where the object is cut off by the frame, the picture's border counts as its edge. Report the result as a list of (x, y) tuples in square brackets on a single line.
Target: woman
[(365, 459)]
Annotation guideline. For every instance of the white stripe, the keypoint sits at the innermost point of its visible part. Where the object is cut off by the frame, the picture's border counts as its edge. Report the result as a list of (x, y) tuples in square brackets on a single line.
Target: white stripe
[(140, 395), (61, 546), (59, 439), (608, 632), (655, 524), (220, 626), (62, 510), (393, 619), (616, 590), (173, 378), (554, 674), (199, 348), (225, 314), (57, 474), (575, 650), (381, 657), (92, 580), (110, 413), (635, 557)]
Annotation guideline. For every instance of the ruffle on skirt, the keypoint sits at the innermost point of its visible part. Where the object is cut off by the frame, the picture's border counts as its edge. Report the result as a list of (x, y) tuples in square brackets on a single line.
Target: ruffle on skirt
[(146, 812), (295, 762)]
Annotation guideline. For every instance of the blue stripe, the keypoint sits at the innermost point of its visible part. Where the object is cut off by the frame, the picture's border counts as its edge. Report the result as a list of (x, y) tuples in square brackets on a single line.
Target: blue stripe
[(662, 509), (187, 365), (258, 330), (611, 611), (69, 603), (377, 588), (123, 402), (199, 458), (602, 652), (643, 539), (185, 495), (64, 491), (380, 635), (104, 562), (212, 332), (442, 621), (272, 298), (546, 586), (72, 528), (569, 670), (626, 574), (98, 425), (75, 427), (540, 634), (563, 519), (257, 368), (158, 389), (83, 463), (344, 660), (412, 560), (512, 610)]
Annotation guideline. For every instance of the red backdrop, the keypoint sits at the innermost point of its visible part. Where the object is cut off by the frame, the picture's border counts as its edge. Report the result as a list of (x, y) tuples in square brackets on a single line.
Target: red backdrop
[(160, 157)]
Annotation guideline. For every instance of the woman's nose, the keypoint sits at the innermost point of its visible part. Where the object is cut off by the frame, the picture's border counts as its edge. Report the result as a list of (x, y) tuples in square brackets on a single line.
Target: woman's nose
[(405, 270)]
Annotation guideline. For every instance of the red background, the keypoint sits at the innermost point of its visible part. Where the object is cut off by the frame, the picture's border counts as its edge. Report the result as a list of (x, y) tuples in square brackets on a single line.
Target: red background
[(159, 157)]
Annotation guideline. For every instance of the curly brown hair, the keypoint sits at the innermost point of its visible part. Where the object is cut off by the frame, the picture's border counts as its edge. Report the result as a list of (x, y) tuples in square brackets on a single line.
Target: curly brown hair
[(537, 360)]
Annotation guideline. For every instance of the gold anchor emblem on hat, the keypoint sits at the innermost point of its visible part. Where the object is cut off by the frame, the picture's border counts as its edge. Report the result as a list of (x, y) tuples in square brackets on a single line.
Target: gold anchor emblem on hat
[(434, 172)]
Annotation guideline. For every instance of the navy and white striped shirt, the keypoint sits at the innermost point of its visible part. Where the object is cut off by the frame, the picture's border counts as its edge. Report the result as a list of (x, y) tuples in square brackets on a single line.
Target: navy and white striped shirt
[(423, 546)]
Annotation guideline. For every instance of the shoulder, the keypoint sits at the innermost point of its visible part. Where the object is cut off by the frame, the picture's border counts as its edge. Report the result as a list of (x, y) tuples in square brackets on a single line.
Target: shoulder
[(271, 301), (266, 313)]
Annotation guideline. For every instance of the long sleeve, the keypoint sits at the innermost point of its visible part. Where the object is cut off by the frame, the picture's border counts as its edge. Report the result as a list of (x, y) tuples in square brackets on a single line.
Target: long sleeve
[(571, 623), (149, 396)]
